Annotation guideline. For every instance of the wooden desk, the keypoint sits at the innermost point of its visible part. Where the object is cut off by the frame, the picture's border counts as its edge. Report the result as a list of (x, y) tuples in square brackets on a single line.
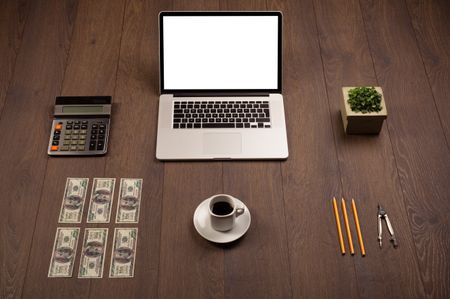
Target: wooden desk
[(105, 47)]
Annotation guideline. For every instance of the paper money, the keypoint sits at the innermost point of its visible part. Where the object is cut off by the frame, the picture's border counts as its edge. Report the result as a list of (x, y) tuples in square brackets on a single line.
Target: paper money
[(73, 201), (93, 254), (101, 200), (123, 253), (64, 252), (129, 201)]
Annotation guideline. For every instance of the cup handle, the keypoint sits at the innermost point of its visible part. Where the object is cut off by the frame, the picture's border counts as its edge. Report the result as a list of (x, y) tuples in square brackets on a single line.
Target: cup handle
[(239, 211)]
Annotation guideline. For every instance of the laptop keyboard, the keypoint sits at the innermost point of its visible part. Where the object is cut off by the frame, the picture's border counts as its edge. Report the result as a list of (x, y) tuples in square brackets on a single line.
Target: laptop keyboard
[(220, 114)]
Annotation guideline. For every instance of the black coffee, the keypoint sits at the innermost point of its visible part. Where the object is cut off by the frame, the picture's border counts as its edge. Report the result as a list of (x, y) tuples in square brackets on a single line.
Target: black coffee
[(222, 208)]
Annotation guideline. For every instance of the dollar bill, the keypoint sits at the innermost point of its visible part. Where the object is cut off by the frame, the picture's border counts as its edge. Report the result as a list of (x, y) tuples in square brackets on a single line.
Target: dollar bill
[(64, 252), (73, 200), (100, 203), (123, 253), (129, 201), (93, 253)]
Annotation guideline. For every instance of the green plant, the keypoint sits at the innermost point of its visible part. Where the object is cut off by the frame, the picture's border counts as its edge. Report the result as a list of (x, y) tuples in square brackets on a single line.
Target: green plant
[(364, 99)]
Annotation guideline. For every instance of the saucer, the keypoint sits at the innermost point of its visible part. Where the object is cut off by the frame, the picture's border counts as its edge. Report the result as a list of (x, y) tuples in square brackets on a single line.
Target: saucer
[(202, 223)]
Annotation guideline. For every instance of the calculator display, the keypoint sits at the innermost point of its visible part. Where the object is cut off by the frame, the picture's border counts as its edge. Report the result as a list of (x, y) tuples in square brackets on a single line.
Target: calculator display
[(82, 109)]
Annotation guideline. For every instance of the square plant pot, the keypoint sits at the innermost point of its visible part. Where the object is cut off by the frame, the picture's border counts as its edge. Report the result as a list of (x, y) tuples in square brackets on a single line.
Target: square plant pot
[(362, 123)]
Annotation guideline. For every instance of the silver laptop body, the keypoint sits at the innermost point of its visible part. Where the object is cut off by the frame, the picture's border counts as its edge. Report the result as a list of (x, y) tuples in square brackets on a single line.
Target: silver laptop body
[(220, 78)]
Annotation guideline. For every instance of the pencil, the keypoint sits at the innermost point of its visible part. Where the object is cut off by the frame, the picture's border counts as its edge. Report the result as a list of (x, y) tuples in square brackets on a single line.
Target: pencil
[(347, 227), (358, 229), (338, 224)]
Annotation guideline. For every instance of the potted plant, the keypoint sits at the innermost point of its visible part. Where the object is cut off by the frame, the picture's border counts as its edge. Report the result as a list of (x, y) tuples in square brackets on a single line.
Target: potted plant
[(363, 110)]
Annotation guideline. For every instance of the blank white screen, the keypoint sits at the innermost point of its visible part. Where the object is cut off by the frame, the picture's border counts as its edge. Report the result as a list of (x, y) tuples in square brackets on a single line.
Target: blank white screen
[(220, 52)]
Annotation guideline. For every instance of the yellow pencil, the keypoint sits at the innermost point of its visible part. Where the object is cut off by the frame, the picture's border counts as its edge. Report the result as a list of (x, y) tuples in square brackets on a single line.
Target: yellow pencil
[(338, 224), (358, 229), (347, 227)]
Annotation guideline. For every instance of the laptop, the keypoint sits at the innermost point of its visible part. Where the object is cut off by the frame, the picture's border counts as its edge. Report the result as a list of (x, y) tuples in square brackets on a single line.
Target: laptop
[(220, 80)]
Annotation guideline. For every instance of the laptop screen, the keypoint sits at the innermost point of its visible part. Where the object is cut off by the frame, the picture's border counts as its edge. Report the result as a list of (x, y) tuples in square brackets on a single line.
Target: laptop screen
[(220, 51)]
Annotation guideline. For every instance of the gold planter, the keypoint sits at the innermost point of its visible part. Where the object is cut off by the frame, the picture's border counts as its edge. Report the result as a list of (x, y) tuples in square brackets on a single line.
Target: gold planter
[(362, 123)]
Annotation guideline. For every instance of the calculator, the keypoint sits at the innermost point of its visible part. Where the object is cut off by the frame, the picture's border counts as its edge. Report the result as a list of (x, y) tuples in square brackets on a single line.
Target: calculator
[(80, 126)]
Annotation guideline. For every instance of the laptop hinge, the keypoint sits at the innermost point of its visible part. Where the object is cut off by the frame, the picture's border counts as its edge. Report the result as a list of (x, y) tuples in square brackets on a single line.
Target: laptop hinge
[(221, 94)]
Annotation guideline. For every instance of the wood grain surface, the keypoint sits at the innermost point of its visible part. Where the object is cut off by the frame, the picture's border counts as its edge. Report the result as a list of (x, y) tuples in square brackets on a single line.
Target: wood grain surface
[(110, 47)]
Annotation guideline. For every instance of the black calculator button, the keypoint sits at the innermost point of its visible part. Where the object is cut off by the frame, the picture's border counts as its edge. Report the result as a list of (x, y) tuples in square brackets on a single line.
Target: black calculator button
[(100, 145), (69, 122), (101, 137), (93, 137), (55, 137), (94, 132), (92, 146), (56, 142), (102, 127), (101, 132), (77, 122), (76, 127), (68, 127), (83, 127), (94, 126), (84, 122)]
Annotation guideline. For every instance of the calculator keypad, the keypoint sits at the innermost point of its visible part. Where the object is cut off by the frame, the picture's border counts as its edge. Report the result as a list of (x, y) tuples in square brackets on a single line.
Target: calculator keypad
[(79, 137)]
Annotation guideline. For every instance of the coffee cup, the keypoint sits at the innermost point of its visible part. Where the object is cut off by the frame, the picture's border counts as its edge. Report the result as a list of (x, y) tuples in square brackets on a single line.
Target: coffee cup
[(223, 212)]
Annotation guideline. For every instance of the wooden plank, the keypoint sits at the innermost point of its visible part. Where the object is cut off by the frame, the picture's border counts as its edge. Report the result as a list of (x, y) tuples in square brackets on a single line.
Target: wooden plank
[(418, 140), (190, 266), (133, 143), (91, 69), (258, 264), (431, 24), (311, 175), (13, 16), (347, 62), (23, 157)]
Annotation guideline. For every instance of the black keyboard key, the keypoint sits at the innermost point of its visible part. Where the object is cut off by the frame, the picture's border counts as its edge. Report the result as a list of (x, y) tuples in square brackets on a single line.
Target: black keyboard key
[(56, 137), (176, 126), (247, 125), (92, 145), (76, 127), (94, 126), (101, 131), (55, 142), (178, 115), (183, 126), (264, 105), (100, 145), (93, 137), (197, 125), (101, 137), (68, 127), (178, 111), (176, 120), (94, 132), (266, 111), (263, 120), (217, 125), (260, 125), (239, 125), (189, 126)]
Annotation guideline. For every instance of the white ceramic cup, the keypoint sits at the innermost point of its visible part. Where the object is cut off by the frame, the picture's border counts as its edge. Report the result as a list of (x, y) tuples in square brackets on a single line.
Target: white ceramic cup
[(220, 221)]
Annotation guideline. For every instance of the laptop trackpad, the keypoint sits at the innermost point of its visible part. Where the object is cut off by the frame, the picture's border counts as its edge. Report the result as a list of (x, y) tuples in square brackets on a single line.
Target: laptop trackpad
[(222, 143)]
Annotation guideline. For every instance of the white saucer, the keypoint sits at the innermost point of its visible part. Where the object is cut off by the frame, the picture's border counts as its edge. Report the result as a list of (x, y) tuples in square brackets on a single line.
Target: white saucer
[(202, 223)]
